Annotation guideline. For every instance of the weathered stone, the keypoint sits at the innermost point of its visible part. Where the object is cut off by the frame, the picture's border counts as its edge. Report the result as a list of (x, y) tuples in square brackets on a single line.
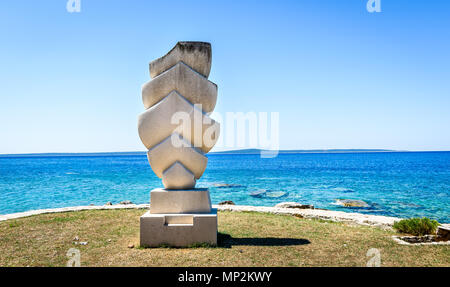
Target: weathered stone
[(226, 202), (226, 185), (351, 203), (197, 55), (164, 154), (125, 202), (178, 177), (159, 122), (187, 82), (180, 201), (178, 229), (275, 194), (443, 231), (294, 205)]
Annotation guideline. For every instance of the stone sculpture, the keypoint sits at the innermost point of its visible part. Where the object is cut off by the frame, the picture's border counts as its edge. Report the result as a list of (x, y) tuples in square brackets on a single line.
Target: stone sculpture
[(179, 91)]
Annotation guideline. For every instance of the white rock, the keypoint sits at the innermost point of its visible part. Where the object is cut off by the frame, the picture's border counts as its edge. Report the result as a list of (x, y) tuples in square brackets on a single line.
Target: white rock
[(180, 201), (187, 82), (164, 154), (194, 54), (159, 122), (178, 177), (293, 205)]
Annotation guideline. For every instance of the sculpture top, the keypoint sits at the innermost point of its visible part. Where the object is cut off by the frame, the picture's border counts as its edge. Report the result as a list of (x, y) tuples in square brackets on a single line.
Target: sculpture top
[(196, 55)]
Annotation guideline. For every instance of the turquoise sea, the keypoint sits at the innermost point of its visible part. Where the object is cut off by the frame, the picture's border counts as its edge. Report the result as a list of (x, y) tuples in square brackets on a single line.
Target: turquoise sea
[(403, 184)]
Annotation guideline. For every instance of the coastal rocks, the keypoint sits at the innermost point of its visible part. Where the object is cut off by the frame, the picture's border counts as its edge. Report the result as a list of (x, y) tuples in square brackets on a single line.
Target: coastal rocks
[(258, 193), (276, 194), (268, 194), (226, 202), (294, 205), (109, 203), (226, 185), (421, 240), (126, 202), (444, 231), (351, 203), (384, 222)]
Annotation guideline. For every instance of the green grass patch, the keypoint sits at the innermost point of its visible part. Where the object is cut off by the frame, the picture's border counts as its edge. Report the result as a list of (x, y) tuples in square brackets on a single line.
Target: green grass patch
[(417, 226)]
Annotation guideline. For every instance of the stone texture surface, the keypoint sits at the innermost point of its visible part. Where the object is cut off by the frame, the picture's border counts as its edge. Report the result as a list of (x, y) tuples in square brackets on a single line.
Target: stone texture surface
[(156, 123), (164, 154), (178, 229), (190, 84), (351, 203), (444, 231), (294, 205), (226, 202), (194, 54), (420, 240), (178, 177), (180, 201)]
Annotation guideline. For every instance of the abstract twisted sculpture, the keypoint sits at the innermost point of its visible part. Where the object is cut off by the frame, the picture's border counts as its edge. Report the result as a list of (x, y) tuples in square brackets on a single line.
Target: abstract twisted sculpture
[(180, 214)]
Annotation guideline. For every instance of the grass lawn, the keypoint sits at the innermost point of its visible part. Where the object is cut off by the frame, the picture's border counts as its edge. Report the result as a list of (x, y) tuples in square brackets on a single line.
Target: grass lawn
[(245, 239)]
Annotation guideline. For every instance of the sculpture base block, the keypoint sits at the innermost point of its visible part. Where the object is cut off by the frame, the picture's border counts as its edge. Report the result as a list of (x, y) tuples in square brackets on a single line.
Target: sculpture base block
[(179, 230), (163, 201)]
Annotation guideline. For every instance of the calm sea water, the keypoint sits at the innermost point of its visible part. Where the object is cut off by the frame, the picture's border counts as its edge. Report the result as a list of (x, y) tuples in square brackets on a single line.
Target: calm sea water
[(394, 184)]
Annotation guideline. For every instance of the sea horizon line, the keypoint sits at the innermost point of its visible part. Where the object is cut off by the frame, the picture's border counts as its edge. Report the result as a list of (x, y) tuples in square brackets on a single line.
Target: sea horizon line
[(230, 152)]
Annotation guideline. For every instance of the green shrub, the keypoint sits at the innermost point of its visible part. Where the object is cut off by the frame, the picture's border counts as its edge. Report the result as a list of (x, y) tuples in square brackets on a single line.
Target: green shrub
[(417, 226)]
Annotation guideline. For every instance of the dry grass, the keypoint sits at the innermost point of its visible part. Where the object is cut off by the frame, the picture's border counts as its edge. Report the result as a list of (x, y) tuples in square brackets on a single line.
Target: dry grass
[(245, 239)]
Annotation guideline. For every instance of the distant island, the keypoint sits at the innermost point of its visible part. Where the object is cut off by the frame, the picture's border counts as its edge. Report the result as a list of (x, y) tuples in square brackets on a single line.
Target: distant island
[(257, 151), (240, 151)]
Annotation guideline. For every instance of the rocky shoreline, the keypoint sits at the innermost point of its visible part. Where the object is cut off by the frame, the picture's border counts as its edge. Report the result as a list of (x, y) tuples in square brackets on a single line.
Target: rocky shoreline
[(339, 216)]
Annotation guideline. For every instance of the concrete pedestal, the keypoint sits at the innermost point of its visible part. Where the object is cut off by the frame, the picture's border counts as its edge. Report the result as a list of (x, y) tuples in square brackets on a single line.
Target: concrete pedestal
[(179, 218), (180, 201)]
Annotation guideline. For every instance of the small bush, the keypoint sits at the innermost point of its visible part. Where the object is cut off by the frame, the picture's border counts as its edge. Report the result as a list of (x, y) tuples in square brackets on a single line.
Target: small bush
[(417, 226)]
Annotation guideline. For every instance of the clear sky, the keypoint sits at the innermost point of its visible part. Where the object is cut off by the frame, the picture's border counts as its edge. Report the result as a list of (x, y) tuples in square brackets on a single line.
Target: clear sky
[(340, 77)]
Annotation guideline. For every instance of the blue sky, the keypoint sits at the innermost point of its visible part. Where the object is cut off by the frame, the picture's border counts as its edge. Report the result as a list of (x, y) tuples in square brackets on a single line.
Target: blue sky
[(340, 77)]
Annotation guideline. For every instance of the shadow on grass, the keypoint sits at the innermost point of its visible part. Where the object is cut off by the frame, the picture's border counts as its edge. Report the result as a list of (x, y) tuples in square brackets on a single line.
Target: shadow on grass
[(226, 241)]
